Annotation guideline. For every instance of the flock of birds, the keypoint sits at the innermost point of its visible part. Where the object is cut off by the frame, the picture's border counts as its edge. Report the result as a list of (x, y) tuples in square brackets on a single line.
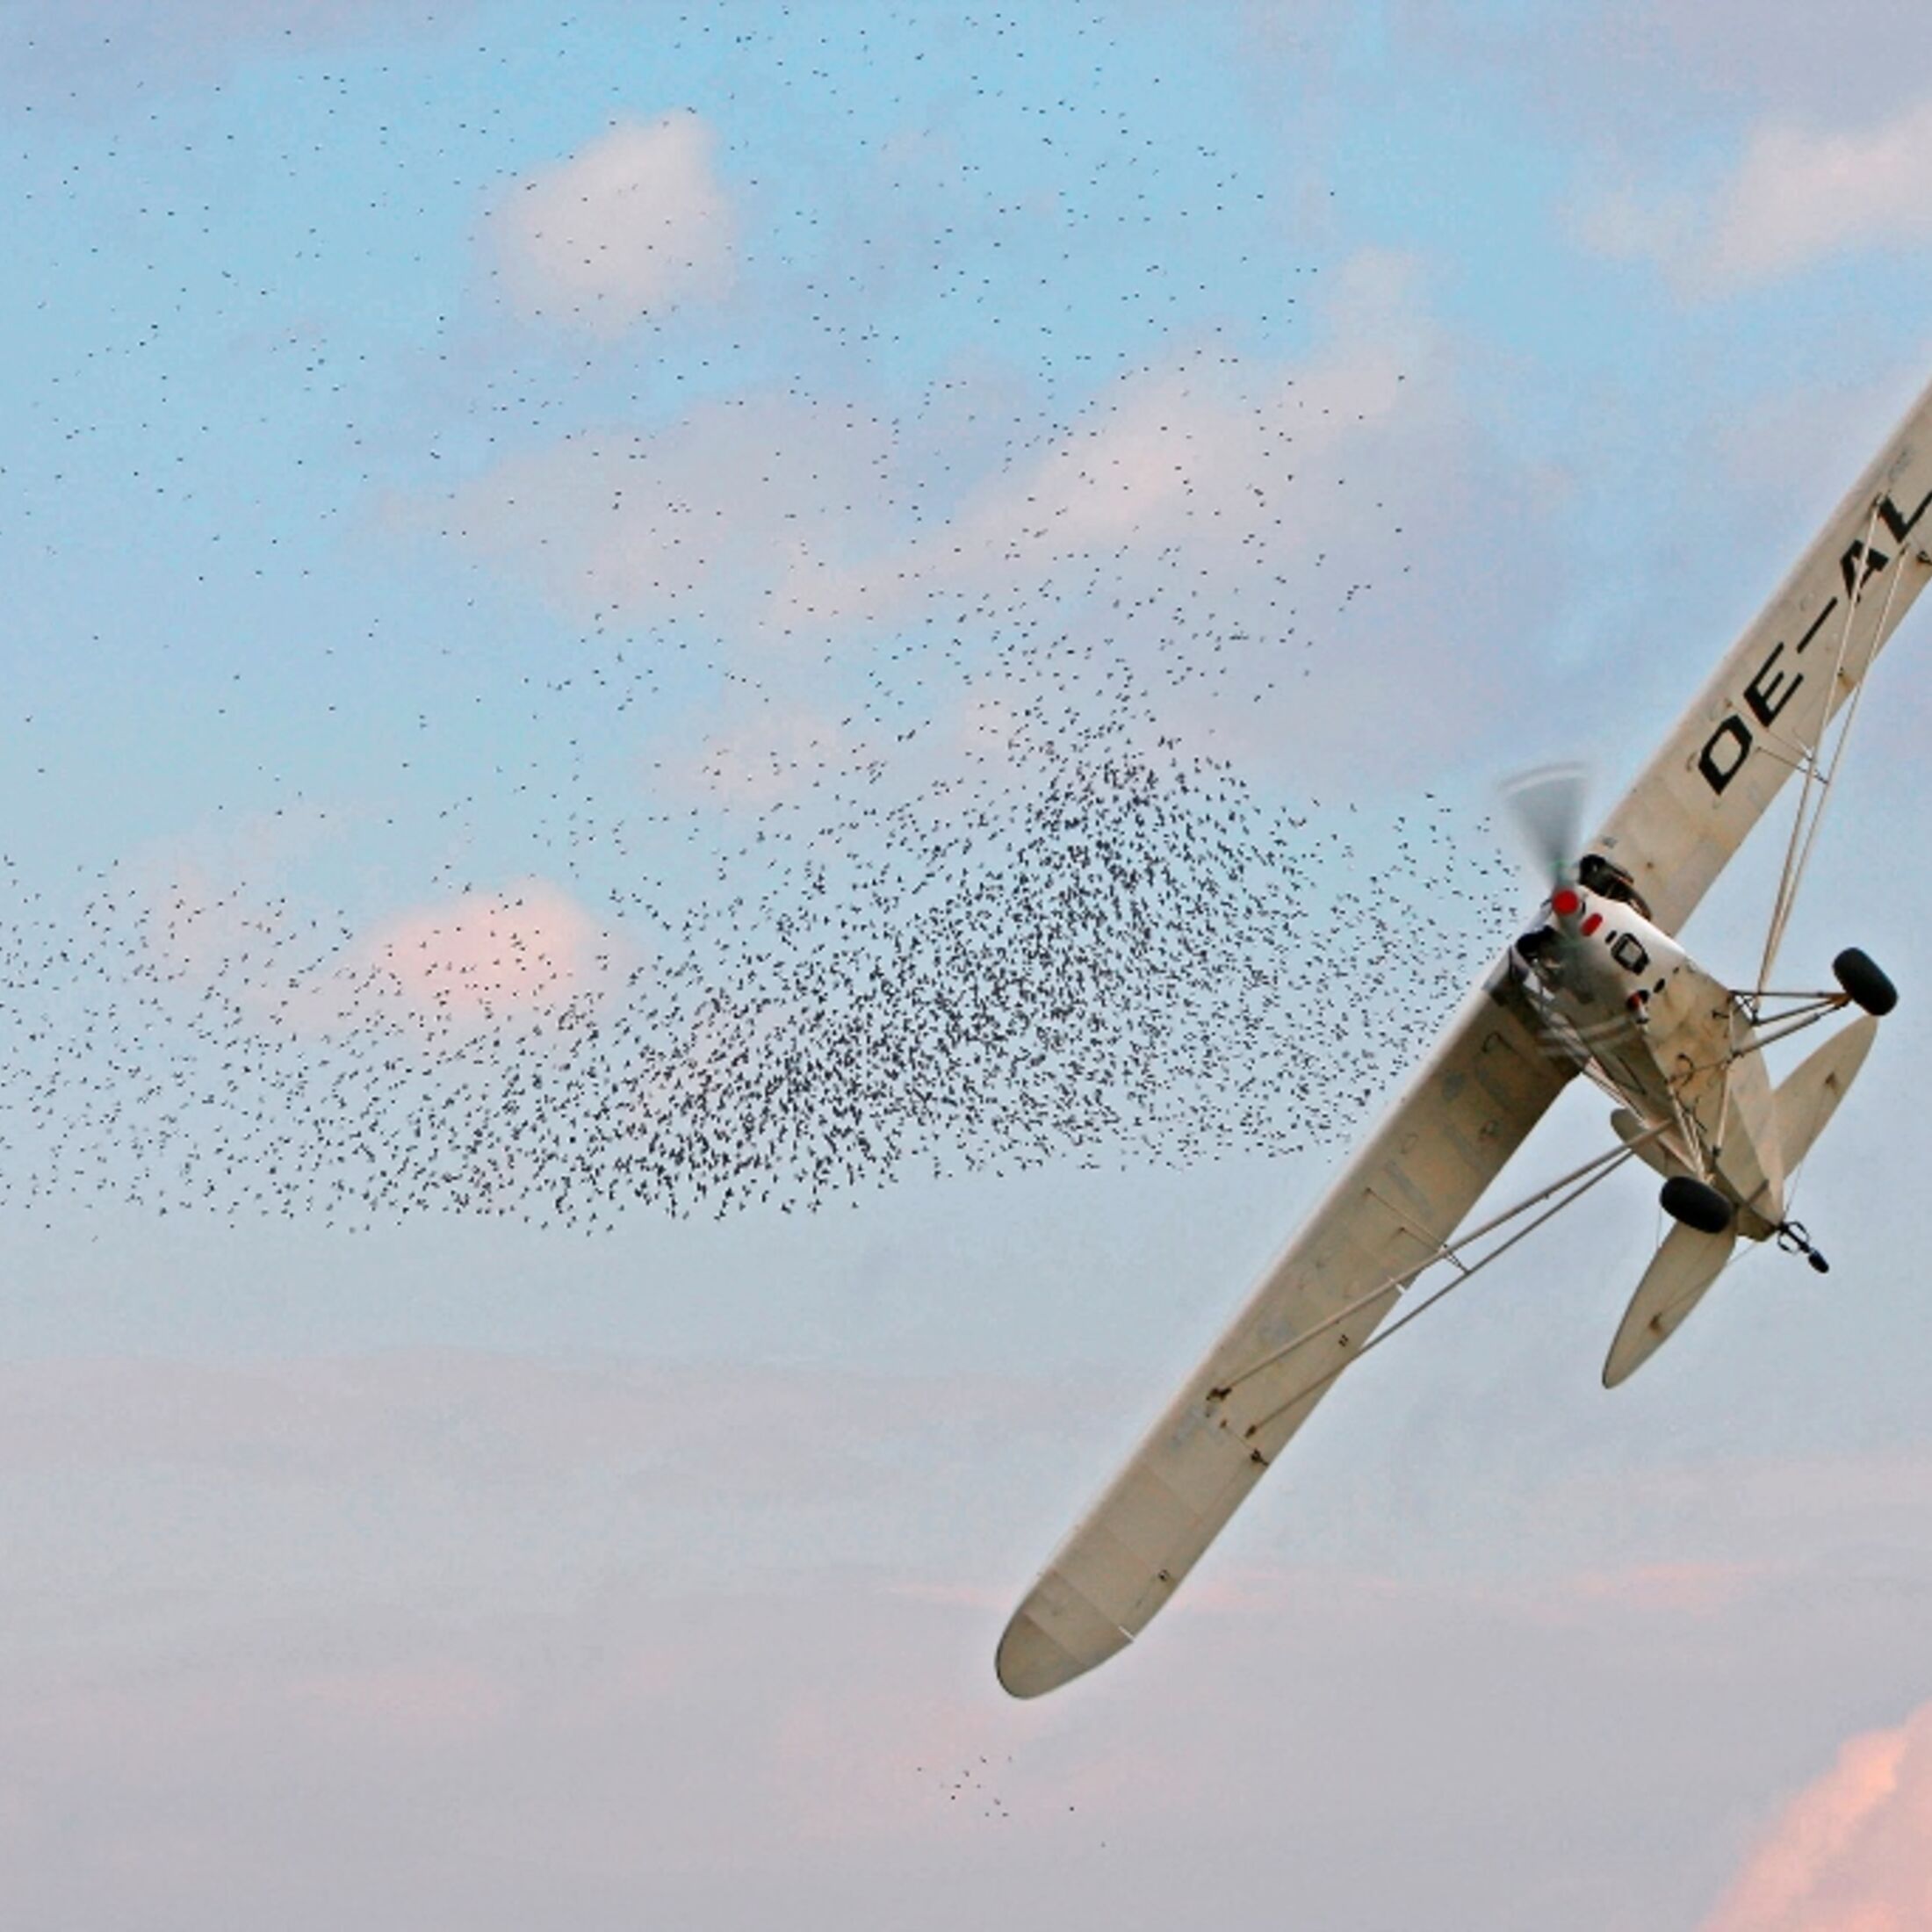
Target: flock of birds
[(1004, 897), (1100, 953)]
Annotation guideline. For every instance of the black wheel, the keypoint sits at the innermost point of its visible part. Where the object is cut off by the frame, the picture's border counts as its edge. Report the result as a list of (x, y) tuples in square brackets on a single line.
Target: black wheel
[(1863, 983), (1696, 1204)]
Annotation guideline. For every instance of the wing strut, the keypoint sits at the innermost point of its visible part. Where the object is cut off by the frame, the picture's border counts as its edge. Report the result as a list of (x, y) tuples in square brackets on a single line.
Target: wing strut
[(1578, 1182), (1814, 788)]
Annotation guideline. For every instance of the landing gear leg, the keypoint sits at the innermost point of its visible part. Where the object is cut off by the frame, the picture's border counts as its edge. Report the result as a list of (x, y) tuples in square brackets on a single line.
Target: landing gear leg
[(1792, 1239)]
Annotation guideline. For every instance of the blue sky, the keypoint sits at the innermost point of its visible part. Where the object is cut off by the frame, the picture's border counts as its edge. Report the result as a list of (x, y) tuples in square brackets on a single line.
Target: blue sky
[(509, 498)]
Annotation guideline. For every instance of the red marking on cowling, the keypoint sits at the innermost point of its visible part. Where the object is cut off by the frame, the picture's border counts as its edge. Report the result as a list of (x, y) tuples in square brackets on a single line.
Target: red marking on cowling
[(1590, 925)]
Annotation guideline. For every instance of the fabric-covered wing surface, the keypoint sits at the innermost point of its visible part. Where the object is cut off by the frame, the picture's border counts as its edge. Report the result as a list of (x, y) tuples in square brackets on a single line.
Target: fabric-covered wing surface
[(1400, 1197), (1769, 702)]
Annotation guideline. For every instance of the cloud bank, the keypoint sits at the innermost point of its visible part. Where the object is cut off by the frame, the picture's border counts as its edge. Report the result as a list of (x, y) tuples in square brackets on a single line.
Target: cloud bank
[(1276, 547), (1852, 1852)]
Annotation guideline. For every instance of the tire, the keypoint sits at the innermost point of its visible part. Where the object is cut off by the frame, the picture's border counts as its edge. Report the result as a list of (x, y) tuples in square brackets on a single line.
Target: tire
[(1696, 1204), (1863, 983)]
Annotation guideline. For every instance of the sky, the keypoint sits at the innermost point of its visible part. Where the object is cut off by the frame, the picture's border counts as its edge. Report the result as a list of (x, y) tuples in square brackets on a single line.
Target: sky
[(736, 739)]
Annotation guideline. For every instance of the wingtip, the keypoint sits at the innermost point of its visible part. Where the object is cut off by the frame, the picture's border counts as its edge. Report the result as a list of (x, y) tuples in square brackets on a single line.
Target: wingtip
[(1627, 1354), (1029, 1661), (1053, 1637)]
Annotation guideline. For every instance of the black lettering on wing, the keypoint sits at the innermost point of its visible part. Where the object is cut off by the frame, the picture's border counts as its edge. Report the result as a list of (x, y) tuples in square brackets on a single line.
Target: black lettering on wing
[(1816, 626), (1873, 560), (1723, 752), (1888, 515), (1770, 692)]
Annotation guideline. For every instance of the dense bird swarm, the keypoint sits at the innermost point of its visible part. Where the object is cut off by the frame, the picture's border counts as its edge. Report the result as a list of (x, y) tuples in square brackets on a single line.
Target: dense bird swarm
[(1100, 953)]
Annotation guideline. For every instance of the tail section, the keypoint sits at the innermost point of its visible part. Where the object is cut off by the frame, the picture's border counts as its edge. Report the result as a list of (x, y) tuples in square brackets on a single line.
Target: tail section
[(1683, 1268), (1809, 1095), (1675, 1282)]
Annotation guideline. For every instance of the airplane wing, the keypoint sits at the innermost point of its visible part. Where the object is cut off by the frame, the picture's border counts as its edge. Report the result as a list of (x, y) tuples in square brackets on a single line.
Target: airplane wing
[(1766, 706), (1394, 1206)]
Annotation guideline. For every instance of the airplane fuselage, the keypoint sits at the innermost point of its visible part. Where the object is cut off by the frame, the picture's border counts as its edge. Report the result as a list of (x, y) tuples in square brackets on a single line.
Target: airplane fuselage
[(1620, 998)]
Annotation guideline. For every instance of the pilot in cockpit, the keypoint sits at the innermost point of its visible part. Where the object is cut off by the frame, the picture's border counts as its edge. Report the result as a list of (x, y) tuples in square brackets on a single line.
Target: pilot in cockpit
[(1609, 880)]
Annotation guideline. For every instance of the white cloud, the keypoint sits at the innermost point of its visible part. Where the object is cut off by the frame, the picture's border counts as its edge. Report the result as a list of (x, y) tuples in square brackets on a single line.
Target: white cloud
[(693, 523), (462, 961), (1271, 543), (1852, 1852), (1798, 195), (1191, 454), (631, 226)]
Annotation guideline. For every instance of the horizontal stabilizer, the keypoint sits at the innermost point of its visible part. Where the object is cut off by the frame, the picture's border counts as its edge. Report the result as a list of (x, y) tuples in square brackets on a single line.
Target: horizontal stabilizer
[(1809, 1095), (1679, 1272)]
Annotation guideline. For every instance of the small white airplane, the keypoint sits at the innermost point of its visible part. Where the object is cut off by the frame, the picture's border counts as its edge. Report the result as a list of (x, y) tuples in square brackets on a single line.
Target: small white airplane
[(1596, 985)]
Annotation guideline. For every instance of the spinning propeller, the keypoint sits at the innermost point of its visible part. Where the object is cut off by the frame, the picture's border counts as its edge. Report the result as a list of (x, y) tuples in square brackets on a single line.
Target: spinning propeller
[(1544, 809)]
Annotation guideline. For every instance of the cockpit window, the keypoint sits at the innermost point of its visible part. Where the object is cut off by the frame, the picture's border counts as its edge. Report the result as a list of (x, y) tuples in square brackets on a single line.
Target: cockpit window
[(1609, 880)]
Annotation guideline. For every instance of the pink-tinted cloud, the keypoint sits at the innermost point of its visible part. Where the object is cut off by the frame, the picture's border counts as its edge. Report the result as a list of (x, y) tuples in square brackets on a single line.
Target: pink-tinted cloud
[(1684, 1587), (229, 925), (1852, 1852), (531, 945)]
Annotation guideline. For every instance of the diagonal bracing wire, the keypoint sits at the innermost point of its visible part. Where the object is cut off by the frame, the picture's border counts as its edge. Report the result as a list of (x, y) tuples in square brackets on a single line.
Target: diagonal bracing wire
[(1569, 1188), (1816, 790)]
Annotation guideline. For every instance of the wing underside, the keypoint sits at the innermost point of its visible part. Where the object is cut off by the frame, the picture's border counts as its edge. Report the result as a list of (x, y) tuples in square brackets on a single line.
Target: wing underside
[(1764, 711), (1394, 1206)]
